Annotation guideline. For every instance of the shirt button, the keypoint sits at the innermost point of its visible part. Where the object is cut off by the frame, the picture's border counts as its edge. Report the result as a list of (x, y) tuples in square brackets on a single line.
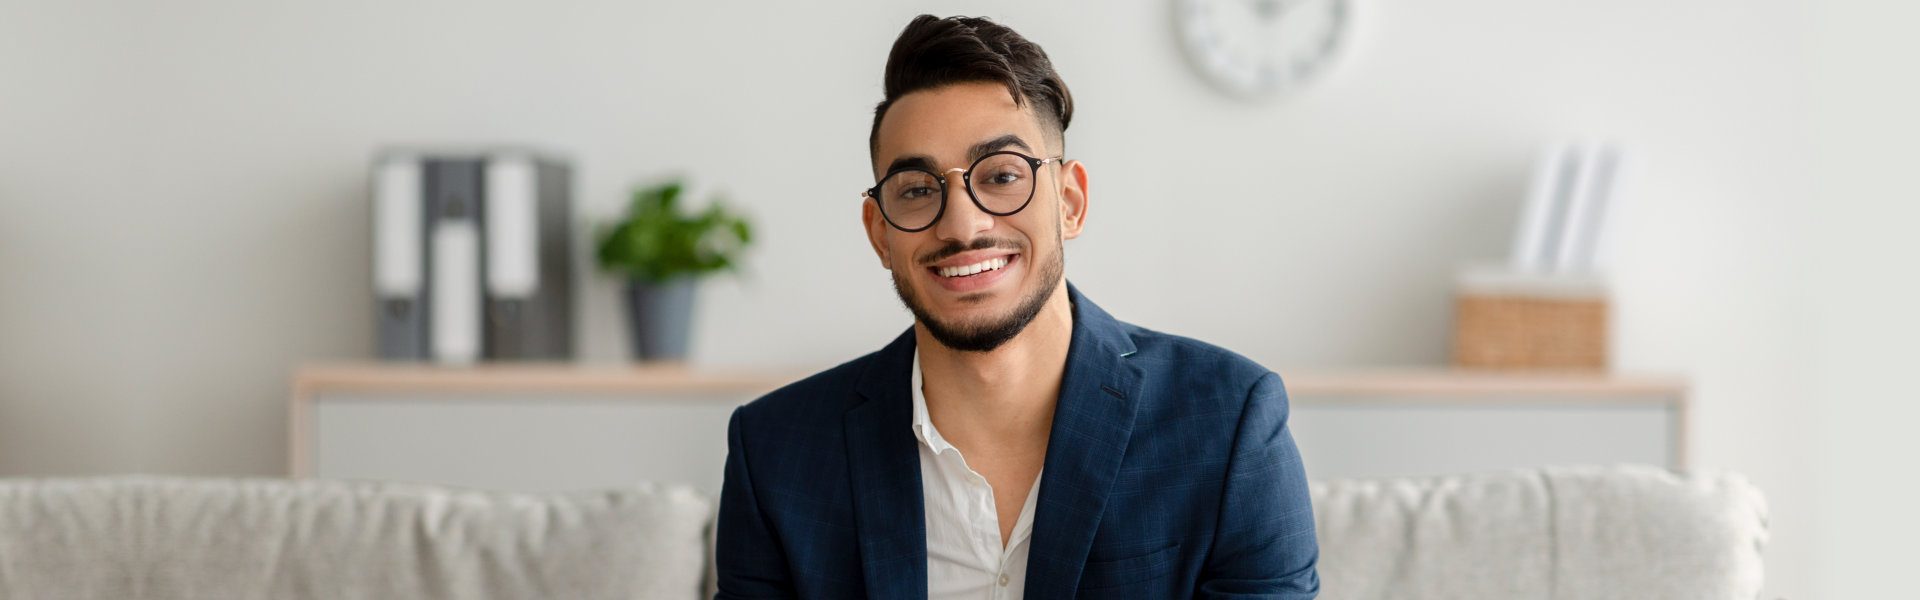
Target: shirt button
[(1004, 579)]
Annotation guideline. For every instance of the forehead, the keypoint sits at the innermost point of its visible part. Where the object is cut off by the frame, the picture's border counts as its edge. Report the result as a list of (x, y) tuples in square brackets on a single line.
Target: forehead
[(942, 123)]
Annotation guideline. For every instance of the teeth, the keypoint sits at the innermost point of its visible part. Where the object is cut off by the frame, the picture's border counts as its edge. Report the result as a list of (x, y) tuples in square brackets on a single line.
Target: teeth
[(985, 265)]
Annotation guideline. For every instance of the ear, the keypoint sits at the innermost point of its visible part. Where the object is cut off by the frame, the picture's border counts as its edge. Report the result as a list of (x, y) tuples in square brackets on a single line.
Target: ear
[(1073, 198), (876, 225)]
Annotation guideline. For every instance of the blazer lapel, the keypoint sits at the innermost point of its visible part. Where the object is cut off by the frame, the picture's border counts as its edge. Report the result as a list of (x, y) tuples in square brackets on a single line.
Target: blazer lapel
[(1092, 424), (889, 510)]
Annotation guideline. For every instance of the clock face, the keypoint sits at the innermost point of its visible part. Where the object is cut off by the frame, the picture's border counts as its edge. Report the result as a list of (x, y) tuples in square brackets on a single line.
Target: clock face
[(1263, 48)]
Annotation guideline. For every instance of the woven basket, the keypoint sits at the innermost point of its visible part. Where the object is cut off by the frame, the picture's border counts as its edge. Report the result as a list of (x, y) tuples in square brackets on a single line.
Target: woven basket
[(1519, 323)]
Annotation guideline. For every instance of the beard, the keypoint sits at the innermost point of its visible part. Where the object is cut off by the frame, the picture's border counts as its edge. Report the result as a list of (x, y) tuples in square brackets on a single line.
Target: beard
[(984, 335)]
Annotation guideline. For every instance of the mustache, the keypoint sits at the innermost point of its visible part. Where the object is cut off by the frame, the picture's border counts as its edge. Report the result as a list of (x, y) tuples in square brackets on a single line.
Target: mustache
[(952, 249)]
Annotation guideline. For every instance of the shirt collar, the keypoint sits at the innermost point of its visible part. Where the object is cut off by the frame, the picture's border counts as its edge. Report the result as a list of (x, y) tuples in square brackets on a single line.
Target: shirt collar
[(923, 428)]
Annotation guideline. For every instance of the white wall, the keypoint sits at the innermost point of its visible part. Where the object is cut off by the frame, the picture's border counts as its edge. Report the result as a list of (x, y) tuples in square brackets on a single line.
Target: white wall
[(1865, 295), (183, 220)]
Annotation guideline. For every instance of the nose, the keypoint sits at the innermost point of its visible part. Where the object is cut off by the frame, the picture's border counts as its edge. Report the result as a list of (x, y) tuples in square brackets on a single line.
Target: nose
[(963, 219)]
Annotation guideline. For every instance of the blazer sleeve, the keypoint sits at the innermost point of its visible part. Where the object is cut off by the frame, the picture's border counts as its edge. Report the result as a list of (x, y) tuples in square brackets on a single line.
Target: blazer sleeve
[(748, 558), (1264, 544)]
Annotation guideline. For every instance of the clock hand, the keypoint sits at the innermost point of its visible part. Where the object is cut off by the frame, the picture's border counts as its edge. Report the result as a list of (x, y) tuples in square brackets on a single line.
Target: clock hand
[(1271, 10)]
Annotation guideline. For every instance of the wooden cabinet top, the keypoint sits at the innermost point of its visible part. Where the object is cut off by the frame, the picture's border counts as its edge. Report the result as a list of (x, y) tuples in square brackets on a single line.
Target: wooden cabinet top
[(623, 378)]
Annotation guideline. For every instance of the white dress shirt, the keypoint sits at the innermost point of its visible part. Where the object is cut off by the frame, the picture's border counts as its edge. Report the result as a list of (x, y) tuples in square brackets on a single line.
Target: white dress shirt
[(964, 555)]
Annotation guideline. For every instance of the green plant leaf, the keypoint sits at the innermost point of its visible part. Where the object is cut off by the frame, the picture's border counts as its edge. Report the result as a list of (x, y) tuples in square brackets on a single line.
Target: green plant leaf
[(657, 242), (742, 231)]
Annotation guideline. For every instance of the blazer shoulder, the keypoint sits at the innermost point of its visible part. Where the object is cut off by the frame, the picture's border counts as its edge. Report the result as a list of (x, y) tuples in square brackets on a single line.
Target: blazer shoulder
[(1184, 375), (1157, 350), (824, 395)]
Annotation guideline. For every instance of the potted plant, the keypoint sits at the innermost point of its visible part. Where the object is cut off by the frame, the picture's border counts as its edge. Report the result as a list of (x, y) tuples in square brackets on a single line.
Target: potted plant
[(662, 253)]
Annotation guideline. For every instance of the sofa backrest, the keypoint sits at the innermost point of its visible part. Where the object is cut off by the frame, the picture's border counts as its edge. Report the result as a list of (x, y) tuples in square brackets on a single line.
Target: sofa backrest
[(174, 538), (1566, 533), (1569, 533)]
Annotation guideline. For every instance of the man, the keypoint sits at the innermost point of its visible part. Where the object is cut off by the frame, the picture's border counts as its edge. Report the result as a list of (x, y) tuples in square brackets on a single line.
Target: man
[(1016, 441)]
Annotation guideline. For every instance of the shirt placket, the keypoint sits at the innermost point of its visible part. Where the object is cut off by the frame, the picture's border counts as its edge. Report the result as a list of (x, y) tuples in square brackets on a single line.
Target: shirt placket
[(986, 527)]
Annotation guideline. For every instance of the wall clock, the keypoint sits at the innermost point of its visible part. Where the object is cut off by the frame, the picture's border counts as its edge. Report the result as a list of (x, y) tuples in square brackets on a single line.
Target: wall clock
[(1263, 48)]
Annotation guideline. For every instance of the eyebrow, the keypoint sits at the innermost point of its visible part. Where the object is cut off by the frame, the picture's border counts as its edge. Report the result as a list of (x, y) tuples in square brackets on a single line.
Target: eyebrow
[(921, 161), (995, 145)]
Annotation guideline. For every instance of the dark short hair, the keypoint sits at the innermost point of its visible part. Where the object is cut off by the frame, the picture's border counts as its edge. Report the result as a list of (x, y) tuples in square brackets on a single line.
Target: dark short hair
[(933, 52)]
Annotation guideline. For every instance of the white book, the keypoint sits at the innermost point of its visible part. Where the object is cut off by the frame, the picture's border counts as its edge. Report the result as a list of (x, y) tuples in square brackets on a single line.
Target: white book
[(397, 211), (1580, 232), (513, 227), (1535, 239), (399, 257), (456, 292), (1613, 195)]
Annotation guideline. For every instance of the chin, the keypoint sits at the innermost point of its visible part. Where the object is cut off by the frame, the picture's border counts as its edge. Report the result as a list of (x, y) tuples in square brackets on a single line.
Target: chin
[(977, 311)]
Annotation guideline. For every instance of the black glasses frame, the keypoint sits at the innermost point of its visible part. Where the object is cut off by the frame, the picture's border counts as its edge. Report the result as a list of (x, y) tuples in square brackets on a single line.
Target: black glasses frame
[(966, 178)]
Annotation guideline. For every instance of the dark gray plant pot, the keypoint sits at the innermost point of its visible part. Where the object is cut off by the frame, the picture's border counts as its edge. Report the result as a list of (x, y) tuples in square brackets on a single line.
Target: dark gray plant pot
[(660, 317)]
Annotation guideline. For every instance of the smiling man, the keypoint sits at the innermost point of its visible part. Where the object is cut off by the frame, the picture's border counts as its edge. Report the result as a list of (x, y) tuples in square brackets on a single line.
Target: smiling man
[(1017, 441)]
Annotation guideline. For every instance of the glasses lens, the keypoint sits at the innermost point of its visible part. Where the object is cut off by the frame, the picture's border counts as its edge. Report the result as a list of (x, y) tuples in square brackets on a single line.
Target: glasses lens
[(910, 199), (1003, 182)]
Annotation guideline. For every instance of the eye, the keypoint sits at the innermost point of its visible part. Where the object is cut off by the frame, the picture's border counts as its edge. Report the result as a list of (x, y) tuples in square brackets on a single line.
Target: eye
[(917, 192), (1004, 178)]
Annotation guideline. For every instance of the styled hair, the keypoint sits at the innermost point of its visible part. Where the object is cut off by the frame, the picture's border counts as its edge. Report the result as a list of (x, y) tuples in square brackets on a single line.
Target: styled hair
[(933, 52)]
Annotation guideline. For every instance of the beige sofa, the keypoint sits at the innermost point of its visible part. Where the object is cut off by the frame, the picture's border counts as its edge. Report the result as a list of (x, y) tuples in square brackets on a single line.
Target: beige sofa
[(1560, 533)]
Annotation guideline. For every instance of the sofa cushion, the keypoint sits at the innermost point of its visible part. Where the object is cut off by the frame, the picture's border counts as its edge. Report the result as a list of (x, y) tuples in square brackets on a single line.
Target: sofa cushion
[(1568, 533), (178, 538)]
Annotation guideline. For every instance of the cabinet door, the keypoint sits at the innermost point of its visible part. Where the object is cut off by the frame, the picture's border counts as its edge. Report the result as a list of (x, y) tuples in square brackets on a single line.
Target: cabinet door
[(521, 442), (1381, 437)]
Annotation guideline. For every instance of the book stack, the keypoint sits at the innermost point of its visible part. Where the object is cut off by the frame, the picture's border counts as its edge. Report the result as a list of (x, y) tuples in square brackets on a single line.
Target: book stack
[(1547, 307), (471, 256)]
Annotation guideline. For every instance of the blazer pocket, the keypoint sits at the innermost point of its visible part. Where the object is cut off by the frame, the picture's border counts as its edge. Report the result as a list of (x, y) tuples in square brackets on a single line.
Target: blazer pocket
[(1134, 569)]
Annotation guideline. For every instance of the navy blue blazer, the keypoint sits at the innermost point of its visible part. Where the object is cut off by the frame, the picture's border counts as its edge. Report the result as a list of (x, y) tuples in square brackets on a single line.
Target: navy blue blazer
[(1169, 473)]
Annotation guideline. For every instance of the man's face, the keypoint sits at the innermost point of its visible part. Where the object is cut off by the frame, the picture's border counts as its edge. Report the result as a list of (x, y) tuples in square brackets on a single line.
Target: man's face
[(948, 128)]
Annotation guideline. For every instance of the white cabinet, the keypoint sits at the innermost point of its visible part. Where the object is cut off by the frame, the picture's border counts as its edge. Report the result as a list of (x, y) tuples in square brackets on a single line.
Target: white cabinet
[(517, 427), (557, 427), (1444, 422)]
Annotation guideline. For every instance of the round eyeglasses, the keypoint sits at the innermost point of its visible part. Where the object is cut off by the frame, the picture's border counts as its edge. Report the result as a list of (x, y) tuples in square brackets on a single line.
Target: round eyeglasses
[(913, 199)]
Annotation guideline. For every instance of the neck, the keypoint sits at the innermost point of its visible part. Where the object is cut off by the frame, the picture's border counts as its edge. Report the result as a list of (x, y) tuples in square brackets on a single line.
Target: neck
[(1007, 394)]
